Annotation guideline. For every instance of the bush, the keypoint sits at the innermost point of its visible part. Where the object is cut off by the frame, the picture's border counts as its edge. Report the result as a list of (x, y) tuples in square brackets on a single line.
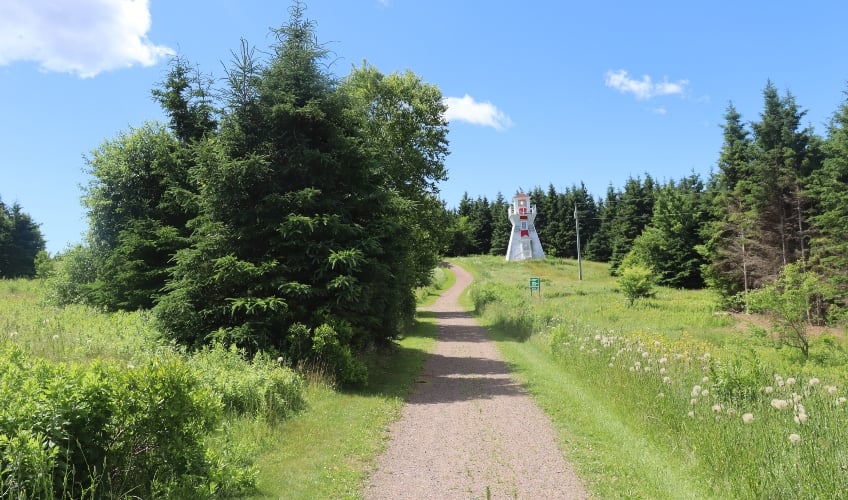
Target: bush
[(106, 430), (636, 282), (261, 387)]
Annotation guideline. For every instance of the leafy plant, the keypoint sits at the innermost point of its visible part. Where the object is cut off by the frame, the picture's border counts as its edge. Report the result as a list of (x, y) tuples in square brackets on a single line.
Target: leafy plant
[(636, 282)]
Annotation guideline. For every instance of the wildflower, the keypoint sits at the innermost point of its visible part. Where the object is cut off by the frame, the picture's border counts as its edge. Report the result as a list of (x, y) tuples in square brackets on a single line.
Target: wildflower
[(696, 390), (841, 401), (666, 380), (791, 381), (55, 337), (768, 389), (611, 365), (13, 334), (731, 411), (794, 438), (780, 404), (644, 354), (748, 418), (706, 356), (813, 382), (800, 418), (716, 408), (691, 414), (661, 395), (130, 366), (280, 360), (647, 368), (831, 389), (705, 380), (705, 393), (662, 370), (663, 360)]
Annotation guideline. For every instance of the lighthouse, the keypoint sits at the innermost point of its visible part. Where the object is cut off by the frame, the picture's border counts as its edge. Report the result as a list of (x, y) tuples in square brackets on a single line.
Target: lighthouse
[(523, 240)]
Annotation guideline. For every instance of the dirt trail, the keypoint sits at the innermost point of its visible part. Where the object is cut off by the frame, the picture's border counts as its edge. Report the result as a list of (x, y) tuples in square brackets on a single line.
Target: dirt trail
[(469, 430)]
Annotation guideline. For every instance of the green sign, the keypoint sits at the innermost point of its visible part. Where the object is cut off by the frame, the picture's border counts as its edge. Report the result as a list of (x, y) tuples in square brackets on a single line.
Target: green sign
[(535, 285)]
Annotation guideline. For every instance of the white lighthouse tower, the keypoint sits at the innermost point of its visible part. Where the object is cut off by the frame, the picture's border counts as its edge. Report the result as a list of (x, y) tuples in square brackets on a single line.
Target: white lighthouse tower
[(524, 240)]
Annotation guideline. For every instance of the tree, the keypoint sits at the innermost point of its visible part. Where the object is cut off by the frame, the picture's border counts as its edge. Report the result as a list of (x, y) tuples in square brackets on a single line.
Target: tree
[(633, 213), (20, 242), (139, 201), (304, 240), (501, 226), (668, 245), (599, 244), (828, 189), (728, 236), (402, 123)]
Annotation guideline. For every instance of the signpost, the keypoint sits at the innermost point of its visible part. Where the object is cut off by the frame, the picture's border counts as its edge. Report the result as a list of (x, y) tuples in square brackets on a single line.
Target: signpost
[(535, 286)]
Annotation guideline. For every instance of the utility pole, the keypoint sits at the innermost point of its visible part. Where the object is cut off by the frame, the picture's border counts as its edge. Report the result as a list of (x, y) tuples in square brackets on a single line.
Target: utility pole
[(577, 225)]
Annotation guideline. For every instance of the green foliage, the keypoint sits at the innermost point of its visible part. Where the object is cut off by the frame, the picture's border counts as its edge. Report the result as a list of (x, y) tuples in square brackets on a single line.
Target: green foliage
[(636, 282), (259, 387), (790, 300), (103, 429), (20, 242)]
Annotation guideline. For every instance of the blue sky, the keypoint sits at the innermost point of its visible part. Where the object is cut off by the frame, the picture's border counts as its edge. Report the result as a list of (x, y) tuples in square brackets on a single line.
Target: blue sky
[(539, 92)]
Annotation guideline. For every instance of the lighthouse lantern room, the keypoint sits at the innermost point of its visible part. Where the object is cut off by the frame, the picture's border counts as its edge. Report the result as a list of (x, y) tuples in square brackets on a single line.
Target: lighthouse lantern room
[(523, 240)]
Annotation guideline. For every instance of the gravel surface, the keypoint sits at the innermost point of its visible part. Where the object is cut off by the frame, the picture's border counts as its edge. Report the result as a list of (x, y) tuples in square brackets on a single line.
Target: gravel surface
[(469, 430)]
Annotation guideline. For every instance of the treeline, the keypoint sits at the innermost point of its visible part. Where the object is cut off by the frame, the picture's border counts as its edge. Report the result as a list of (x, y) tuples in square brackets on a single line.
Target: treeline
[(20, 242), (286, 211), (777, 204)]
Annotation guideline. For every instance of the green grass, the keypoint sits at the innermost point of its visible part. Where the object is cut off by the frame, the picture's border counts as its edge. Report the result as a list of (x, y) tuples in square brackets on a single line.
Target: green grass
[(324, 451), (649, 399), (328, 450)]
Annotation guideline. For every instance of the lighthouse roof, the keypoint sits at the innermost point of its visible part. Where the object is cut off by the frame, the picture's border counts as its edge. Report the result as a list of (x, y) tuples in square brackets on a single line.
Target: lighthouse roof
[(522, 195)]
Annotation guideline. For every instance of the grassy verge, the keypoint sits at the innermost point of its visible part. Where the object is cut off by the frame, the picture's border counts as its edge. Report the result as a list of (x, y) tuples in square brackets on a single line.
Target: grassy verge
[(666, 399), (328, 450)]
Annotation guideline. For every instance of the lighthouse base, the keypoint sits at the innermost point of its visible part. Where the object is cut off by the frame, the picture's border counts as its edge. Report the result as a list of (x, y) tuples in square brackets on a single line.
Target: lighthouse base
[(524, 247)]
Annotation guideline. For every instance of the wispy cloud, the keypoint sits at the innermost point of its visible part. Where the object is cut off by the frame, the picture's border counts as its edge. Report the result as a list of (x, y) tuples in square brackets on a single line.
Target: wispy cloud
[(83, 37), (466, 109), (645, 88)]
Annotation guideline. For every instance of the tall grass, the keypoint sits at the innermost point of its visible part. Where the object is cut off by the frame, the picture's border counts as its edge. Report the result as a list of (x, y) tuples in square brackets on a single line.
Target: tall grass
[(729, 412), (176, 415)]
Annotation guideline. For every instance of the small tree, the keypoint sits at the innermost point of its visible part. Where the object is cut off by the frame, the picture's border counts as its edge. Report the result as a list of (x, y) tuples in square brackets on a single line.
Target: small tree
[(636, 282), (789, 300)]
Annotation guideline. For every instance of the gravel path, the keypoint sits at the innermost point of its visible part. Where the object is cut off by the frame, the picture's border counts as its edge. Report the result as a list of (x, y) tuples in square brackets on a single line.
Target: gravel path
[(469, 430)]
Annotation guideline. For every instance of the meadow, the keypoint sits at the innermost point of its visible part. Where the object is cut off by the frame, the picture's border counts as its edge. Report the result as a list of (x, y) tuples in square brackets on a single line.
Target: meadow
[(668, 398), (99, 405)]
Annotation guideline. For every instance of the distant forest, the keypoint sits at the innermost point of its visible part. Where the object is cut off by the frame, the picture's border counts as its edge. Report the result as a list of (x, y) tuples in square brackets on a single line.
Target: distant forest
[(778, 198)]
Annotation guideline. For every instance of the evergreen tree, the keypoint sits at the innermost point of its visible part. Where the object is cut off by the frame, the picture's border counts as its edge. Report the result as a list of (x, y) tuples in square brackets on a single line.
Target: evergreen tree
[(633, 213), (501, 226), (599, 244), (138, 203), (668, 244), (828, 188), (20, 242)]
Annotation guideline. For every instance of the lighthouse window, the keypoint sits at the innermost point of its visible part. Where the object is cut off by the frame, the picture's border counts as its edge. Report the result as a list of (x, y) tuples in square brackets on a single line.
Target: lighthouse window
[(524, 224)]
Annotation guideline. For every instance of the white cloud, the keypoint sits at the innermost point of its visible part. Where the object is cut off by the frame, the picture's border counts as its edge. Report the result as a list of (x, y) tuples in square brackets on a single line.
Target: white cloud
[(644, 88), (83, 37), (466, 109)]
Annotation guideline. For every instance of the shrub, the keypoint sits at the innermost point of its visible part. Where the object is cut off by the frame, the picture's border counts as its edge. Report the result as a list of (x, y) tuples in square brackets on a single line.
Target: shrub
[(261, 387), (636, 282), (107, 430)]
